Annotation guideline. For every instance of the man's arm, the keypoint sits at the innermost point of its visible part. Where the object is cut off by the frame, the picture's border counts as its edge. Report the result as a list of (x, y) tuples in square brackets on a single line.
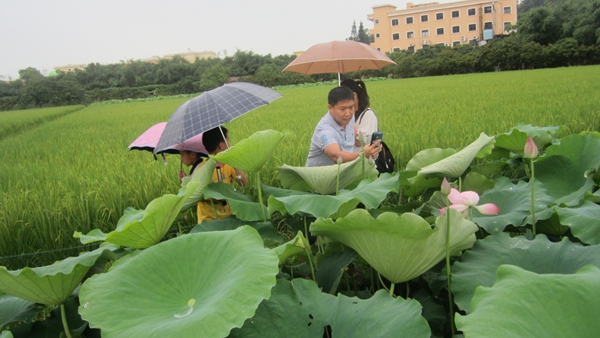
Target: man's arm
[(334, 152)]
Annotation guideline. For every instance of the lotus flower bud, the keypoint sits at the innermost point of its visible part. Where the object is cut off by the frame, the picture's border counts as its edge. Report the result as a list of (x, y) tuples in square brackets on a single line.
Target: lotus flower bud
[(531, 150), (340, 160), (446, 187)]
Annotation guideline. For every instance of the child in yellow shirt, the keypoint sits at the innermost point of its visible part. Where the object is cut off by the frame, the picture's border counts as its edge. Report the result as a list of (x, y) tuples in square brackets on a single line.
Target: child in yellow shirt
[(215, 143)]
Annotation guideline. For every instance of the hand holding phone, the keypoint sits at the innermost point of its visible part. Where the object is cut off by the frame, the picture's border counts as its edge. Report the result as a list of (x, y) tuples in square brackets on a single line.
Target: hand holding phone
[(377, 135)]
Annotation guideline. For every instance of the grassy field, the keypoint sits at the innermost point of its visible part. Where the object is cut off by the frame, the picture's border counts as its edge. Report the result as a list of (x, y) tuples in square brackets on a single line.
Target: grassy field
[(17, 121), (74, 173)]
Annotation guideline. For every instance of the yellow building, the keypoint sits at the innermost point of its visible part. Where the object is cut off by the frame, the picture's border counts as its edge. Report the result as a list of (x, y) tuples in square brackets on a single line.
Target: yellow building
[(433, 23), (70, 68), (191, 56)]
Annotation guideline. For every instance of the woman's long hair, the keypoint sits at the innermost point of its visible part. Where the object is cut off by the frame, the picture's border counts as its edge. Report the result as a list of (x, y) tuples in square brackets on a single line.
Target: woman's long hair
[(360, 89)]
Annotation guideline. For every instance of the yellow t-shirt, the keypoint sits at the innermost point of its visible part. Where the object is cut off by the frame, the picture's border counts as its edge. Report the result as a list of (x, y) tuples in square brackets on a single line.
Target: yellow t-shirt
[(206, 212)]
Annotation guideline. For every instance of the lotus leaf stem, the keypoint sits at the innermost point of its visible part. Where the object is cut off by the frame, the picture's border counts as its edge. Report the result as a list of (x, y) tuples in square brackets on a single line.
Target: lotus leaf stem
[(392, 289), (214, 209), (407, 289), (64, 320), (260, 200), (448, 267), (532, 181), (337, 186), (382, 283), (309, 257)]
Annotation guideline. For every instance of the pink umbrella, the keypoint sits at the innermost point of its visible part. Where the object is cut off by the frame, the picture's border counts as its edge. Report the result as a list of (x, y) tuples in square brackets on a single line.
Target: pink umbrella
[(149, 139)]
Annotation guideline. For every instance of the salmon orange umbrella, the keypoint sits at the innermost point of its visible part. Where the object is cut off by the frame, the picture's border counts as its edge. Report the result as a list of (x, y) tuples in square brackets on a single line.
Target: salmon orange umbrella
[(338, 57)]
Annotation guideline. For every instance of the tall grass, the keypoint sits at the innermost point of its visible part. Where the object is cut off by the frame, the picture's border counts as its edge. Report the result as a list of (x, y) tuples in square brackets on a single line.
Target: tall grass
[(17, 121), (75, 173)]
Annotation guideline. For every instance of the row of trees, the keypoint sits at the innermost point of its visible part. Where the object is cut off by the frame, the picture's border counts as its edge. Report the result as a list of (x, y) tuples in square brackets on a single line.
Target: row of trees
[(550, 33)]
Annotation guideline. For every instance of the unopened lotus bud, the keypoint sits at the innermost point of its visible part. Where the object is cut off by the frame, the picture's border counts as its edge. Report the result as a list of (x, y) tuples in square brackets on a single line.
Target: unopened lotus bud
[(340, 160), (446, 187), (531, 150)]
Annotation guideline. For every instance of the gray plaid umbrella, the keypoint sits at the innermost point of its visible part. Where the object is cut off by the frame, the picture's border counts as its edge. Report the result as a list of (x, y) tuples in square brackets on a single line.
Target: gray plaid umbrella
[(212, 109)]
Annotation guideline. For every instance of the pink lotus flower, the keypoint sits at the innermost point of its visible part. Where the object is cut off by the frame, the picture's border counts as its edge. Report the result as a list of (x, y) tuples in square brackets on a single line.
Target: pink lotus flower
[(462, 201), (531, 150)]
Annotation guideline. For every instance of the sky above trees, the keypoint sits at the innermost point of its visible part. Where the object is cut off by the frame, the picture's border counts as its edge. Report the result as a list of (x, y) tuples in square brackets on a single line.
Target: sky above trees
[(45, 34)]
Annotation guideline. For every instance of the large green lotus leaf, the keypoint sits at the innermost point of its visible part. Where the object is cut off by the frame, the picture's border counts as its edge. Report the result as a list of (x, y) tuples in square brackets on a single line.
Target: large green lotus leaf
[(6, 334), (400, 247), (370, 193), (299, 309), (266, 230), (51, 284), (428, 157), (456, 164), (331, 269), (584, 221), (52, 326), (295, 246), (324, 179), (415, 185), (14, 311), (242, 205), (515, 139), (477, 182), (197, 284), (203, 176), (252, 153), (478, 265), (552, 225), (151, 225), (563, 169), (514, 201), (524, 304)]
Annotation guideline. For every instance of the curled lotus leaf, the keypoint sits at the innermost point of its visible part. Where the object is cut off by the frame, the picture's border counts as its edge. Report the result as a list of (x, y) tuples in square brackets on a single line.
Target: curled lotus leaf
[(400, 247), (51, 284), (456, 164), (515, 139), (370, 193), (324, 179), (252, 153), (15, 311), (522, 303), (204, 283)]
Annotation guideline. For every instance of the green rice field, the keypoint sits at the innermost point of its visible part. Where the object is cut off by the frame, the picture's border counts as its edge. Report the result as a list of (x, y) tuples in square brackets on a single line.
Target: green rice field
[(68, 169)]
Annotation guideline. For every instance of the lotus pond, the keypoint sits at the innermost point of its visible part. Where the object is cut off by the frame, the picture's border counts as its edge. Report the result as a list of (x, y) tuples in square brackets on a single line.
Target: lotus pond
[(430, 264)]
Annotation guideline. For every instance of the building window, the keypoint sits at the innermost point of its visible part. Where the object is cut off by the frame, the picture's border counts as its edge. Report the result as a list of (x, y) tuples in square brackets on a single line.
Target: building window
[(439, 16), (410, 35), (396, 36), (424, 18), (488, 25), (425, 33), (394, 22), (455, 29), (455, 43), (379, 49), (507, 26), (472, 27), (440, 31), (376, 21), (396, 49), (377, 35), (456, 14), (487, 9), (507, 10), (471, 11), (411, 49), (409, 20)]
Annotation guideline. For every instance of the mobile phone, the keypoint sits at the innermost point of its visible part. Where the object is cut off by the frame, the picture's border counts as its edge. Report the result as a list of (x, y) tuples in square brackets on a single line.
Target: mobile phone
[(377, 135)]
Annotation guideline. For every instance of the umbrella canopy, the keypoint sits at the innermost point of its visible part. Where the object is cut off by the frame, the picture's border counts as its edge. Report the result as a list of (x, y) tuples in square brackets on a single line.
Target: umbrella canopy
[(149, 139), (338, 57), (212, 109)]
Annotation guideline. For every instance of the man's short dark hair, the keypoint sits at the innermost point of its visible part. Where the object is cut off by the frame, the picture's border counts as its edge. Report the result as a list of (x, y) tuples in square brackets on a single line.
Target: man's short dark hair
[(338, 94), (213, 137)]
